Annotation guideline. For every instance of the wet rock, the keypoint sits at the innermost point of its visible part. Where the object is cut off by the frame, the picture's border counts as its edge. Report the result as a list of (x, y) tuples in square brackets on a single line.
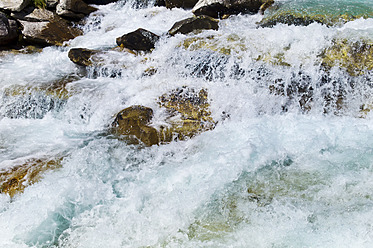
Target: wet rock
[(134, 121), (34, 102), (52, 4), (194, 24), (81, 56), (14, 180), (139, 40), (14, 5), (44, 28), (100, 2), (74, 9), (8, 30), (192, 108), (328, 13), (187, 115), (219, 8), (32, 14), (355, 57), (185, 4)]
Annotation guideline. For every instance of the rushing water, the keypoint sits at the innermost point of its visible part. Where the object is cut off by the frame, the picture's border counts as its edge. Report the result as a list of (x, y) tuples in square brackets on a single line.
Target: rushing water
[(283, 170)]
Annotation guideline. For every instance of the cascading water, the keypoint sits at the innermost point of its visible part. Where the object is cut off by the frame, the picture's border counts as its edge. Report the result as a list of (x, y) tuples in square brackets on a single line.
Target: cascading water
[(289, 163)]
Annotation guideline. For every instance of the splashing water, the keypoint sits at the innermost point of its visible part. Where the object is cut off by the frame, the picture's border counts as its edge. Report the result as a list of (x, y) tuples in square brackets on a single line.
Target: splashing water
[(289, 163)]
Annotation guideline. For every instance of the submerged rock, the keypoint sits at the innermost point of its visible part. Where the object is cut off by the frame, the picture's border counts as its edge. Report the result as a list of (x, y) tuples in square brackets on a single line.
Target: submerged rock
[(134, 121), (219, 8), (355, 57), (14, 180), (14, 5), (194, 24), (187, 115), (8, 30), (139, 40), (34, 102), (303, 13), (192, 108), (43, 27), (74, 9), (81, 56)]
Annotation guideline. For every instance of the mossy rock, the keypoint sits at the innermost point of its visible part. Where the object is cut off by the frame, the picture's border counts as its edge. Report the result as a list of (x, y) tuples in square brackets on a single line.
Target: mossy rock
[(81, 56), (56, 89), (192, 107), (14, 180), (305, 12), (134, 121), (223, 45), (356, 57), (188, 114), (29, 101)]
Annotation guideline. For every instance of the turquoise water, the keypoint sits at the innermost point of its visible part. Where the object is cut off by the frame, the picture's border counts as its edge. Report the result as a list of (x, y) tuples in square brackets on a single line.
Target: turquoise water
[(284, 170)]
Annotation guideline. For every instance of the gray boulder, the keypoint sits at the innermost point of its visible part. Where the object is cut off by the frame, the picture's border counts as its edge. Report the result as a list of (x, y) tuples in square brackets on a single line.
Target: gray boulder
[(193, 24), (44, 28), (74, 9), (8, 30), (14, 5)]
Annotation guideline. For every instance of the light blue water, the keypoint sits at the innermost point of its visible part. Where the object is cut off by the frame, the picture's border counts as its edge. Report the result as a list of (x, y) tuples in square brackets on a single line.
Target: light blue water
[(274, 174)]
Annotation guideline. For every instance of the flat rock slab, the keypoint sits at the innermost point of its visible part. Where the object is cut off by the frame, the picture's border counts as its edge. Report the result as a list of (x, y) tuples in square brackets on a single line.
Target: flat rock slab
[(48, 33), (14, 5)]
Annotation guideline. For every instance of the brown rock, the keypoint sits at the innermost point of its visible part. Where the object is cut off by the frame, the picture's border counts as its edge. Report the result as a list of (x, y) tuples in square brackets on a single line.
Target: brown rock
[(81, 56), (134, 121), (14, 180), (43, 27)]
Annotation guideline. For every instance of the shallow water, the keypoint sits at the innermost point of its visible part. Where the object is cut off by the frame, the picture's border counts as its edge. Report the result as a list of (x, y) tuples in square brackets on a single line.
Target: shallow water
[(283, 170)]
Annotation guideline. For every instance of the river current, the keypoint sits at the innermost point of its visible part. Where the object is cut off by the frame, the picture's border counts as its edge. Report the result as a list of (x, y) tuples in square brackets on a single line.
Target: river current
[(278, 170)]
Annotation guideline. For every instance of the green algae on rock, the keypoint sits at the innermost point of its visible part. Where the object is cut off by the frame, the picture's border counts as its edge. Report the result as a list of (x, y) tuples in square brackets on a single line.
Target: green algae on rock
[(356, 57), (188, 114), (134, 121), (34, 102), (303, 13), (14, 180), (192, 107), (81, 56)]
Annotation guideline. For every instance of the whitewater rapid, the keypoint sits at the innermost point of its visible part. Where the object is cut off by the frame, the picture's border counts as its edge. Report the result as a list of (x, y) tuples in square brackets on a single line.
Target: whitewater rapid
[(271, 174)]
